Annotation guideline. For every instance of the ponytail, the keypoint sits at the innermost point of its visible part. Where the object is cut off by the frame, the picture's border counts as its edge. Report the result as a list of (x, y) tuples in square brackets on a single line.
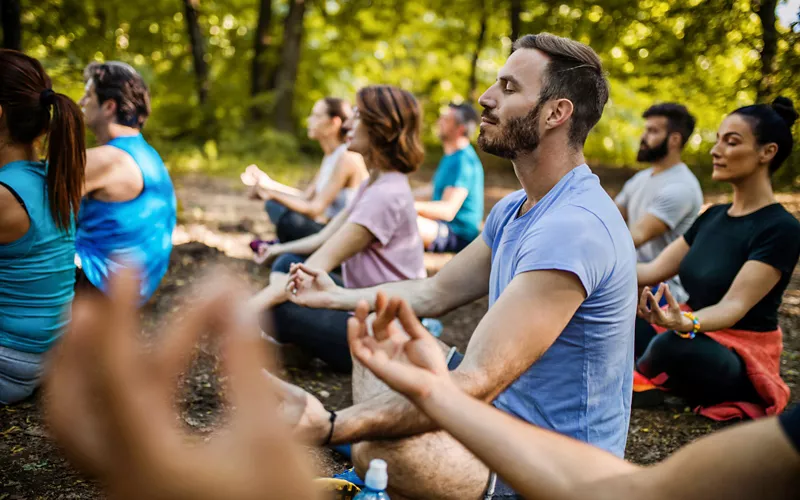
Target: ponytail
[(27, 98), (66, 159)]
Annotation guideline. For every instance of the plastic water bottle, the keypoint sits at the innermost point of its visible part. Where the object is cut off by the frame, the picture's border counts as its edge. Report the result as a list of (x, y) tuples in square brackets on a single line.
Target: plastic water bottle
[(433, 325), (376, 482)]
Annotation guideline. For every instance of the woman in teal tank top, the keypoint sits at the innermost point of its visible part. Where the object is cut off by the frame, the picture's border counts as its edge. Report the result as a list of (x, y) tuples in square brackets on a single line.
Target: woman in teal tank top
[(39, 201)]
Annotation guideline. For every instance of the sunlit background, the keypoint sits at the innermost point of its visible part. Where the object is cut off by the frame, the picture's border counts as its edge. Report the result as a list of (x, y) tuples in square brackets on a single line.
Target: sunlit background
[(232, 80)]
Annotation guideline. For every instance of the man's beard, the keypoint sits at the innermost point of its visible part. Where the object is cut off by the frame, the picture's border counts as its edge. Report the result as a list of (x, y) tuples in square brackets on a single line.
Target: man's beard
[(519, 135), (647, 154)]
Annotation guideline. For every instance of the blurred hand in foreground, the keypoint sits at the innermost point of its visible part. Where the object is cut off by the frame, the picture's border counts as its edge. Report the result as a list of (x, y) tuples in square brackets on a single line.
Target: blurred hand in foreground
[(110, 403)]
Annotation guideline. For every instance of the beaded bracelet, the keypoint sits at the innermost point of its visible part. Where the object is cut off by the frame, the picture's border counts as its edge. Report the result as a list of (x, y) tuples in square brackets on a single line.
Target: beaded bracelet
[(695, 327)]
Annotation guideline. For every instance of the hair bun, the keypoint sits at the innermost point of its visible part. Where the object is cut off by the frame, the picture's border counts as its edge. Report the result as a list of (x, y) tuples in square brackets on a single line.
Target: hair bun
[(785, 108)]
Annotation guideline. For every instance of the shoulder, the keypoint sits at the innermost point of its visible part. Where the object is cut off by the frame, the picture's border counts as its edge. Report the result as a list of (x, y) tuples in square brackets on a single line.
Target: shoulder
[(639, 176), (390, 189), (349, 162), (578, 224), (507, 203), (13, 215), (470, 156), (777, 218), (713, 212), (104, 159)]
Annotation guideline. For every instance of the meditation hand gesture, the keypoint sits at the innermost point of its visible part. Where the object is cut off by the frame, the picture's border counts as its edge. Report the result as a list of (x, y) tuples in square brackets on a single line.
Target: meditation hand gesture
[(110, 404), (310, 287), (255, 177), (405, 355), (671, 317), (266, 253)]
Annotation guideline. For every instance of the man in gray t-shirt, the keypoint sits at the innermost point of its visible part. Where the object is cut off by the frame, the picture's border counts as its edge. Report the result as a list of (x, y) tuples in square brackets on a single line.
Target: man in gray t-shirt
[(661, 203)]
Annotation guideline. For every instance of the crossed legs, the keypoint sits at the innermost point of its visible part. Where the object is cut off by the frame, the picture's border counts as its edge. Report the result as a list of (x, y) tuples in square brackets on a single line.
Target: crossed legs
[(430, 466)]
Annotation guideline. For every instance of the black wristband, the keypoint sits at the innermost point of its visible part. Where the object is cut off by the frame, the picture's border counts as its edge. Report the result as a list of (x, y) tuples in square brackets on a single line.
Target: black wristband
[(330, 433)]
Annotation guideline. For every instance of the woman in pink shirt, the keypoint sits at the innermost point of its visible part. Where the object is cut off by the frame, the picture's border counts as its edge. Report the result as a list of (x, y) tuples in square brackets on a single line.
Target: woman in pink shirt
[(375, 240)]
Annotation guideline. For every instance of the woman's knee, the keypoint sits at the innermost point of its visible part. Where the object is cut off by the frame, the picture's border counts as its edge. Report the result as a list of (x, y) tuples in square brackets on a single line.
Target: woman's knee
[(275, 211)]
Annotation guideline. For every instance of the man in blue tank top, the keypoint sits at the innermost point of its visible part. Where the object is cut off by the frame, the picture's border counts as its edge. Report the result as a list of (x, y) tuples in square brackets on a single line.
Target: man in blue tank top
[(129, 209)]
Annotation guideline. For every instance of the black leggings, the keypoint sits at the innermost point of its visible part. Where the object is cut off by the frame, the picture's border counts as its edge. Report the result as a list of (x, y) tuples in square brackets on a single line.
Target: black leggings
[(700, 370), (321, 332), (290, 225)]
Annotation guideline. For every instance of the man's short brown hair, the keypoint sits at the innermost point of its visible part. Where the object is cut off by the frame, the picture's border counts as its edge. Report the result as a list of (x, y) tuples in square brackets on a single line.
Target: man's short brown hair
[(574, 72), (120, 82)]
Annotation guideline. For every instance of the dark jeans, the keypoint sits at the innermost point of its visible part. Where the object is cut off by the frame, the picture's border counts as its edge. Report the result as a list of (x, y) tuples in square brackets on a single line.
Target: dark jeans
[(700, 370), (320, 332), (290, 225)]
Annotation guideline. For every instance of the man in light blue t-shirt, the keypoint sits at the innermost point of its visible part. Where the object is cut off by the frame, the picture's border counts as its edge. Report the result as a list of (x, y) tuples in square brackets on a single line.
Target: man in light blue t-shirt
[(450, 210), (557, 261)]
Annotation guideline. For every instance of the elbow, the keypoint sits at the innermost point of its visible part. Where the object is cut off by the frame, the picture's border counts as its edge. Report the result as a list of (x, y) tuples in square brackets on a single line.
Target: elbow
[(450, 212), (315, 209), (476, 383), (638, 239), (449, 216)]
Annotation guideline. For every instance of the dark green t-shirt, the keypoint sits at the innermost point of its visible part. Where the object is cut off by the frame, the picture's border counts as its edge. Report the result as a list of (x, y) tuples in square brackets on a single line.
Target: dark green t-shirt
[(719, 247)]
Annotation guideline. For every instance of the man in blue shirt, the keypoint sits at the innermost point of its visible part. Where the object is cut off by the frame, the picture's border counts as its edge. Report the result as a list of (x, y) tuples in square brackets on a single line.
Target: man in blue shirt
[(556, 346), (129, 209), (450, 210)]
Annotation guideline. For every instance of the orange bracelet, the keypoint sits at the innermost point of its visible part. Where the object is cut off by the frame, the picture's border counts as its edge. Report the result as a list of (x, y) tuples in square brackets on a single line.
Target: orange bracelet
[(695, 327)]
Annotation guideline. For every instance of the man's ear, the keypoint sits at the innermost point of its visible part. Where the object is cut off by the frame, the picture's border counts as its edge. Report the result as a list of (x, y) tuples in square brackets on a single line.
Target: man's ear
[(559, 111), (109, 108), (675, 141)]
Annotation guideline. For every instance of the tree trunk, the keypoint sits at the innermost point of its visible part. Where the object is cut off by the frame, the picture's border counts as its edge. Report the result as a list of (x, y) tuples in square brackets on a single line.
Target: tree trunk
[(198, 49), (472, 93), (766, 12), (11, 12), (260, 76), (515, 11), (287, 71)]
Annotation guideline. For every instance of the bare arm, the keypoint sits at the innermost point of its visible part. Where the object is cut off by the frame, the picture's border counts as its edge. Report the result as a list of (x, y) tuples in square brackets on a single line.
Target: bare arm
[(464, 279), (99, 171), (623, 210), (506, 342), (423, 193), (755, 460), (316, 205), (349, 240), (752, 283), (348, 243), (647, 228), (310, 244), (664, 266), (745, 462), (445, 209), (14, 219)]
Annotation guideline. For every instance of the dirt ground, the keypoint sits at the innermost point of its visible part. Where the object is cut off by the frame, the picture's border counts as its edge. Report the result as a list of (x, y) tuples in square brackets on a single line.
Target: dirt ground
[(216, 226)]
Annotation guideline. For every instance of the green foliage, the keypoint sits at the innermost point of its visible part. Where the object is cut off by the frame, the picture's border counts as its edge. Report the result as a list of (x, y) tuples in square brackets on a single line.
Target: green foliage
[(703, 53)]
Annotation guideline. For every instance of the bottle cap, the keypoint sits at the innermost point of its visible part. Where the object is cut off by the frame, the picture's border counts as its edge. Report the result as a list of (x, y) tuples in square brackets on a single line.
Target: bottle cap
[(377, 477)]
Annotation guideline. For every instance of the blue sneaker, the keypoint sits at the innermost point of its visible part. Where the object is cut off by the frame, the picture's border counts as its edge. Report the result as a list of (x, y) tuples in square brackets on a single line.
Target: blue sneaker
[(350, 476)]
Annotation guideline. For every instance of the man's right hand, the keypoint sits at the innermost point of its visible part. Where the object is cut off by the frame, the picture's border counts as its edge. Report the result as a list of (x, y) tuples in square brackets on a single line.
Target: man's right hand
[(404, 355), (310, 287)]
